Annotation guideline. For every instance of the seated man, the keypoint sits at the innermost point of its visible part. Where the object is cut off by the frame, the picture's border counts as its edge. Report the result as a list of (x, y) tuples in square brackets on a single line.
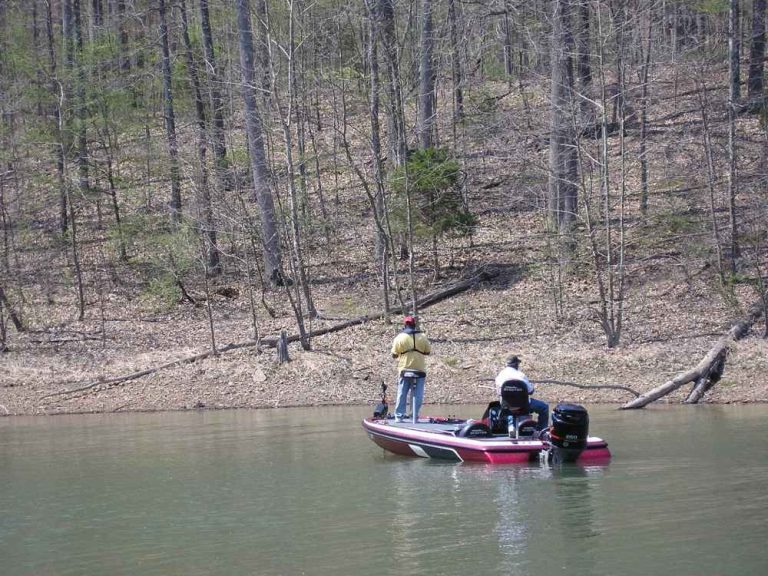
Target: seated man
[(513, 372)]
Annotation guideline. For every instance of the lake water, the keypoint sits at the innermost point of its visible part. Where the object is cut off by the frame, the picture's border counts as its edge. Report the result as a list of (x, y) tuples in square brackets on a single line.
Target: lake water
[(304, 491)]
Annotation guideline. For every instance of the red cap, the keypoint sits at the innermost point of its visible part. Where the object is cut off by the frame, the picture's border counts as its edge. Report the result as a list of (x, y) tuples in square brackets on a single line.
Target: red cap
[(410, 320)]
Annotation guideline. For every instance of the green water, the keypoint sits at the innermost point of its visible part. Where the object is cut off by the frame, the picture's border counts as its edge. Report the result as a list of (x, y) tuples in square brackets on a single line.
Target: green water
[(304, 491)]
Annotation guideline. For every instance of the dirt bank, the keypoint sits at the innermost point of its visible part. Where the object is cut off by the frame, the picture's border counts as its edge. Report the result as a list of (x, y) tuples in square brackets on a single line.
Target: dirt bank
[(472, 334)]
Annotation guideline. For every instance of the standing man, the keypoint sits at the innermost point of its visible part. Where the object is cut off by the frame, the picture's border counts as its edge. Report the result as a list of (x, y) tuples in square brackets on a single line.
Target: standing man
[(410, 348), (513, 373)]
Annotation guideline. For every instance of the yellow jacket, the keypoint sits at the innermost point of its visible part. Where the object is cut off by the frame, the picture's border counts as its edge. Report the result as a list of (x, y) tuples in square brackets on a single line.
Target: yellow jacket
[(410, 348)]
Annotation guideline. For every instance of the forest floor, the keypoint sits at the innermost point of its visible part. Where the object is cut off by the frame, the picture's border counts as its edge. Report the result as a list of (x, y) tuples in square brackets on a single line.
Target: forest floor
[(673, 309), (669, 326)]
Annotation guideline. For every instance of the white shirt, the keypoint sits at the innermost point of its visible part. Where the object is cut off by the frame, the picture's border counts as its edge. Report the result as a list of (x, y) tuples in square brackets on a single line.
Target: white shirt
[(510, 373)]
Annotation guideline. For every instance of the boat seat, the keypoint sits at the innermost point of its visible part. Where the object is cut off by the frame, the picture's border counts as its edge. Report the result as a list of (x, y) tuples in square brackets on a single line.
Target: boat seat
[(515, 405)]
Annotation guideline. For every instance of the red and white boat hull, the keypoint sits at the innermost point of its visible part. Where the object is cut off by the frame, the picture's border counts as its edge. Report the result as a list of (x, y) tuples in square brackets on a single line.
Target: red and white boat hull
[(437, 439)]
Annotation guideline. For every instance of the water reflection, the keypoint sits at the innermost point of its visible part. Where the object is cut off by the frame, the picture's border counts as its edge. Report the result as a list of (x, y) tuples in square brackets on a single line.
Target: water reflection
[(511, 526), (573, 487)]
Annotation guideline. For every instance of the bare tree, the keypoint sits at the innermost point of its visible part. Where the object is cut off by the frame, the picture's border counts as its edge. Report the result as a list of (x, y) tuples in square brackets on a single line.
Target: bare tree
[(285, 114), (734, 50), (584, 67), (378, 196), (757, 54), (563, 165), (57, 112), (397, 139), (426, 121), (457, 77), (255, 130), (208, 226), (170, 117), (73, 43), (711, 176), (217, 104), (647, 50)]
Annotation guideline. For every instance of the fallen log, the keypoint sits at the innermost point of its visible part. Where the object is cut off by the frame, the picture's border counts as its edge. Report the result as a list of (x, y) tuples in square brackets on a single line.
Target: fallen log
[(425, 302), (708, 379), (712, 363)]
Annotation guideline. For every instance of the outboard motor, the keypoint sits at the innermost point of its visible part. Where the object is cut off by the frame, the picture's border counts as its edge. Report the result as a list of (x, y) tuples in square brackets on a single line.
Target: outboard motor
[(568, 433)]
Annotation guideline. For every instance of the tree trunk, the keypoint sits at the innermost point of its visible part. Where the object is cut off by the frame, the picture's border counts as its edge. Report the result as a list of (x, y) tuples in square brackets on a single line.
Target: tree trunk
[(217, 104), (397, 138), (18, 324), (644, 79), (734, 44), (285, 115), (255, 130), (709, 377), (563, 166), (584, 67), (71, 21), (122, 37), (508, 56), (213, 261), (734, 50), (709, 153), (426, 120), (282, 348), (378, 168), (80, 105), (456, 74), (170, 118), (757, 54), (733, 185), (56, 88)]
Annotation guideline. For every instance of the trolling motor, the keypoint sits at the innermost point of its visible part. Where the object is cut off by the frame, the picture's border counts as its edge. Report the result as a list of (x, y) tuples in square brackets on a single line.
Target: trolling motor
[(382, 408), (568, 433)]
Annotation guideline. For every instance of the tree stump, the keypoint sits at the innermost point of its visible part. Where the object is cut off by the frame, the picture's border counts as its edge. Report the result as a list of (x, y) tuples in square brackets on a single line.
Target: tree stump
[(282, 348)]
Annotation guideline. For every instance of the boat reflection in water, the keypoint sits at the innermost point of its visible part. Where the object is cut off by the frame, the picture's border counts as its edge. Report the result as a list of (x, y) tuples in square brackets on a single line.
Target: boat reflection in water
[(501, 519)]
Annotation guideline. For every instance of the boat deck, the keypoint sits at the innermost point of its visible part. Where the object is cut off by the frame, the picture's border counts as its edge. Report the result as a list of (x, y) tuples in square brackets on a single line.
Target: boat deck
[(451, 428), (446, 428)]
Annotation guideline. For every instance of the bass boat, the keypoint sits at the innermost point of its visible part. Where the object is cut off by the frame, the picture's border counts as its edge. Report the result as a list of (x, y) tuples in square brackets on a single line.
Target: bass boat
[(567, 439)]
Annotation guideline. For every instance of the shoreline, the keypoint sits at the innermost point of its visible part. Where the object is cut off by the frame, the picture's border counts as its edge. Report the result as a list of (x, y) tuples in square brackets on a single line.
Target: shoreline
[(320, 378), (472, 334)]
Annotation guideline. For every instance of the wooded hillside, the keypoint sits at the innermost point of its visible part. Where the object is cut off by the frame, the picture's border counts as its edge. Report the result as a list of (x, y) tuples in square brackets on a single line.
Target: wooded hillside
[(181, 177)]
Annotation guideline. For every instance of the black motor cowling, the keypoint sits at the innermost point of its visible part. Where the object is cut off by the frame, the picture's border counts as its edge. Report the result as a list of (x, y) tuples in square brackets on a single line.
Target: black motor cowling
[(570, 427)]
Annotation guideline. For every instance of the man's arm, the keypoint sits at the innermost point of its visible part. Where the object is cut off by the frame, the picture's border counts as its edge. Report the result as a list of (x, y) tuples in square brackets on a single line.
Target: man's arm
[(396, 347), (531, 387)]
